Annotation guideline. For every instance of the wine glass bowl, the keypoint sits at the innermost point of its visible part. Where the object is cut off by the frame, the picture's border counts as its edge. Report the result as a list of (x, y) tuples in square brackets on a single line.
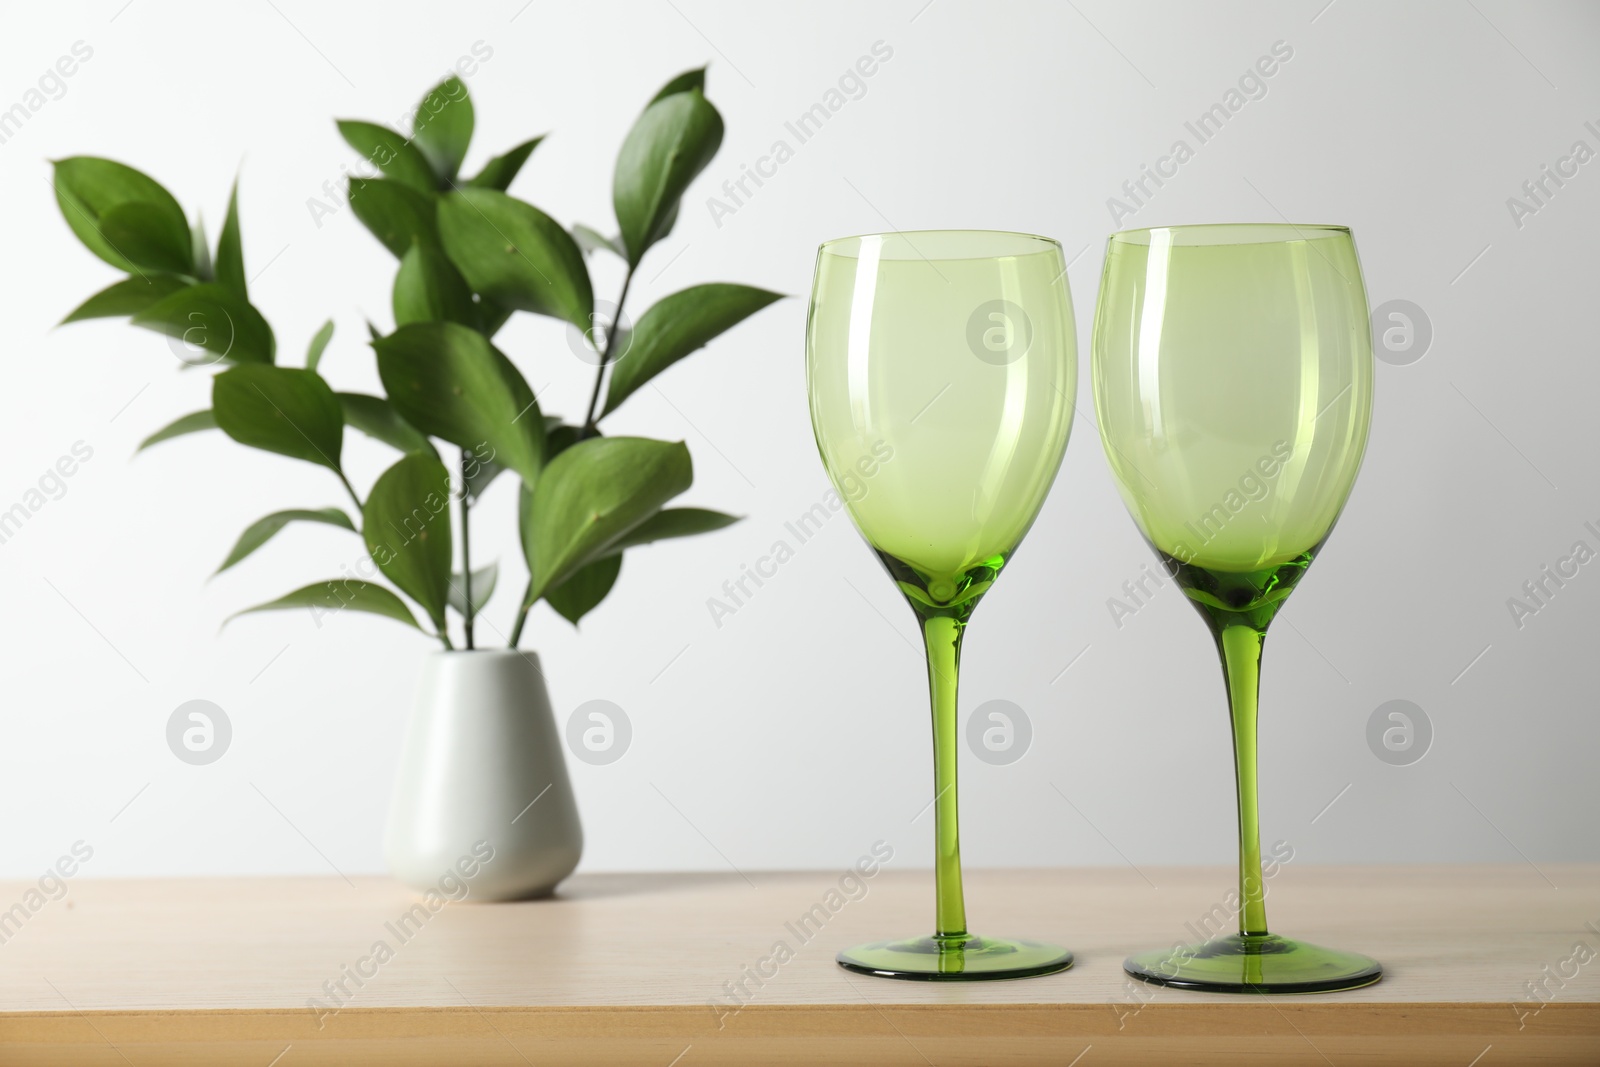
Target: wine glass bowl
[(1232, 372), (1233, 385), (945, 363), (956, 351)]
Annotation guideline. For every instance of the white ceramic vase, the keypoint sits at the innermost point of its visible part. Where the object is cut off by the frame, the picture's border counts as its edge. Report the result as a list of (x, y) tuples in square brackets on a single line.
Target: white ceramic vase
[(482, 775)]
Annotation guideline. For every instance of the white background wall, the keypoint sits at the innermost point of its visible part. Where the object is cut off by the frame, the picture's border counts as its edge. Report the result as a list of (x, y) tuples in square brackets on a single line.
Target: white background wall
[(795, 734)]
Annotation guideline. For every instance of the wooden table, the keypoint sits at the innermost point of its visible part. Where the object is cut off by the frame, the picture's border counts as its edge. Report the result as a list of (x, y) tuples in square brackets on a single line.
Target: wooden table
[(636, 969)]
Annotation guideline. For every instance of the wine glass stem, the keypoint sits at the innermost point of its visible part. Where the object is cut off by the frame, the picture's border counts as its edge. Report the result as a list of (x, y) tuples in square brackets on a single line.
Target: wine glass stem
[(1240, 644), (942, 640)]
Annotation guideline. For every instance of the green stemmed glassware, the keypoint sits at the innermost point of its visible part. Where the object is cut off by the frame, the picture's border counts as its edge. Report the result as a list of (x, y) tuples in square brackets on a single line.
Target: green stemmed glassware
[(941, 368), (1233, 382)]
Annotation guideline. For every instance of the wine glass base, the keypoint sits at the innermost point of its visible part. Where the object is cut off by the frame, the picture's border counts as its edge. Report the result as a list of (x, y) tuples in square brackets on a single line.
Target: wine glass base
[(1255, 963), (959, 959)]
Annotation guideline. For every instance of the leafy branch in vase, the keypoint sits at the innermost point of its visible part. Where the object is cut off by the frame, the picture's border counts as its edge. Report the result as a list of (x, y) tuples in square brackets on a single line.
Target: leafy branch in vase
[(470, 256)]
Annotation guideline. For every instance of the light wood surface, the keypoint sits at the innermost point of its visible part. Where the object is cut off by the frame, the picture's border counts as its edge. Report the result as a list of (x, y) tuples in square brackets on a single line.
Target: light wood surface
[(631, 969)]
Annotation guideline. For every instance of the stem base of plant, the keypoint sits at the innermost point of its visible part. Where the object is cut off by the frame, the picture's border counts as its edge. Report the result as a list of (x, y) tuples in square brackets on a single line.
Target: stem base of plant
[(466, 552)]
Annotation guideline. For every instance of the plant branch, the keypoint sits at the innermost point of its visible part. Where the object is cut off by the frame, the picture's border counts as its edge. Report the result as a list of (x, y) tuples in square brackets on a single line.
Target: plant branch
[(584, 431), (349, 489), (466, 555), (589, 420), (522, 616)]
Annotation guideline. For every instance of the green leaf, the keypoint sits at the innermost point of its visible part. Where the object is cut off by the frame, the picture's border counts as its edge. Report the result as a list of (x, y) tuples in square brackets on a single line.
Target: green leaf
[(280, 409), (450, 382), (675, 327), (264, 529), (499, 171), (230, 250), (193, 422), (406, 523), (558, 437), (143, 233), (319, 342), (483, 583), (582, 593), (214, 325), (428, 288), (493, 316), (127, 297), (443, 127), (591, 496), (397, 158), (668, 146), (396, 214), (515, 254), (592, 240), (88, 188), (689, 79), (377, 418), (673, 522), (336, 594)]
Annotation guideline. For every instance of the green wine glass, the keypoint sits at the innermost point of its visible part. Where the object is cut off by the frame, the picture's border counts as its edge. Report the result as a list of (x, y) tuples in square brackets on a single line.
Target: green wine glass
[(941, 368), (1233, 382)]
